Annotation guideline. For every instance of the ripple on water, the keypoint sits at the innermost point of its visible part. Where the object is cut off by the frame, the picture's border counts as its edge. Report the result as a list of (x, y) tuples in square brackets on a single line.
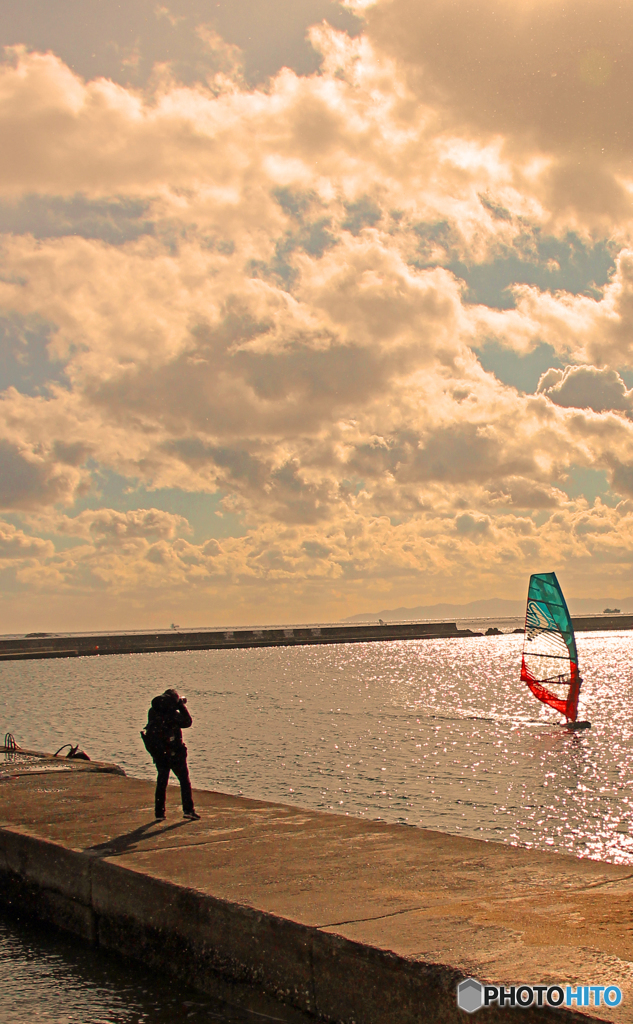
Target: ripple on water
[(49, 978), (438, 733)]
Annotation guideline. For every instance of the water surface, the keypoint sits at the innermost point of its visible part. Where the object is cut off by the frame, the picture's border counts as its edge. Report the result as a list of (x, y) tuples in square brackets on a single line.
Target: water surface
[(438, 733), (50, 978)]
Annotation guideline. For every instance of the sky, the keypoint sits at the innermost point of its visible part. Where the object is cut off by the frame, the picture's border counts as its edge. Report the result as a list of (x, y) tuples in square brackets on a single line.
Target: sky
[(312, 307)]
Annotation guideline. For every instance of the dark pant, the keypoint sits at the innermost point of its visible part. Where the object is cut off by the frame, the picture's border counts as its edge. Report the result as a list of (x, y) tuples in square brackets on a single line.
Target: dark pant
[(177, 765)]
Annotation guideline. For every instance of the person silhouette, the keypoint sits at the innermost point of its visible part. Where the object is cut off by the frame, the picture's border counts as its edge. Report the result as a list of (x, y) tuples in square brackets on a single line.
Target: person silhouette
[(166, 718)]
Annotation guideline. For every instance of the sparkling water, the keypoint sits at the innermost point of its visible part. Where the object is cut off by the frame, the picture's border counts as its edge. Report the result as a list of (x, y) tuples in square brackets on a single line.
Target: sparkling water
[(435, 733)]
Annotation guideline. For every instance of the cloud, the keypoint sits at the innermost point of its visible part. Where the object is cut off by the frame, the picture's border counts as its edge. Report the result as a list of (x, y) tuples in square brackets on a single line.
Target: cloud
[(276, 296), (357, 389), (595, 330), (587, 387), (29, 479), (284, 571), (270, 365), (544, 78), (109, 528), (15, 544), (194, 39), (531, 69), (474, 526), (216, 159), (112, 220), (25, 362)]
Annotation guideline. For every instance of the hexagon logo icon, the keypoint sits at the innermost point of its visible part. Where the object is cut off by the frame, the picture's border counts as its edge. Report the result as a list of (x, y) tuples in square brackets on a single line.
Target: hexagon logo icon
[(469, 995)]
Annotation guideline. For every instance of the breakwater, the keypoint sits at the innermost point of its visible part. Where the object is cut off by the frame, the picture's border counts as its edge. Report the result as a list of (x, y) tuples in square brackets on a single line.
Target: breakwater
[(78, 644), (309, 915), (67, 645)]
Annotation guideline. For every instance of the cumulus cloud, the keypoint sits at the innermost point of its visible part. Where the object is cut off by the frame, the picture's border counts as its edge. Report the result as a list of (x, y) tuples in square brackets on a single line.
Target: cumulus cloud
[(281, 571), (193, 39), (112, 220), (544, 77), (262, 293), (29, 479), (107, 527), (593, 330), (363, 374), (587, 387), (15, 544)]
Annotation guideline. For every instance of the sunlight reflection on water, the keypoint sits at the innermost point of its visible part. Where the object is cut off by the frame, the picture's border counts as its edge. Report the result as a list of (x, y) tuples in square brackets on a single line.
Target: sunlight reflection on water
[(437, 733)]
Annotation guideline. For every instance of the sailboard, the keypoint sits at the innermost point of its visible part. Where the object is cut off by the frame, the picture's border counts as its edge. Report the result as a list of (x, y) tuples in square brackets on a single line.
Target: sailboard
[(550, 660)]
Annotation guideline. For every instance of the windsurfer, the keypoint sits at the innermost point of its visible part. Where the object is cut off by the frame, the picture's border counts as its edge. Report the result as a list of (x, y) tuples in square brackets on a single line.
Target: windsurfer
[(550, 657)]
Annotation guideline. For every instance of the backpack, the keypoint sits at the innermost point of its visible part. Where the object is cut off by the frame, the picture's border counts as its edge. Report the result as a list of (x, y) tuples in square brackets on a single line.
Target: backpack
[(156, 740)]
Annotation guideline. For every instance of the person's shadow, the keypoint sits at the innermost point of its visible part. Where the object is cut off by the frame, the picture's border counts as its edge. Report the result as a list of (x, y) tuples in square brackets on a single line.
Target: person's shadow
[(129, 841)]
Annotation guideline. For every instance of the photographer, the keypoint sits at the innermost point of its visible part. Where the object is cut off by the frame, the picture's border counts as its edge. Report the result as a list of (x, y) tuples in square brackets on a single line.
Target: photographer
[(162, 736)]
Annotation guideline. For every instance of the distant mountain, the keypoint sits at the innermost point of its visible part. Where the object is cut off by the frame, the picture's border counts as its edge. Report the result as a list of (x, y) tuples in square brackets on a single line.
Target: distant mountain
[(492, 607)]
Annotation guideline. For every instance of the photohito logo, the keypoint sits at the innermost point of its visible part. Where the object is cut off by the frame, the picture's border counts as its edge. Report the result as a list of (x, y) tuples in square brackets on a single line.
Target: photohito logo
[(472, 995)]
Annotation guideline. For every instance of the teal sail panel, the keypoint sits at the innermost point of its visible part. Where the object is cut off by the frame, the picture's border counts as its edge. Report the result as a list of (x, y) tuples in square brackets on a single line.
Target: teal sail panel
[(550, 659)]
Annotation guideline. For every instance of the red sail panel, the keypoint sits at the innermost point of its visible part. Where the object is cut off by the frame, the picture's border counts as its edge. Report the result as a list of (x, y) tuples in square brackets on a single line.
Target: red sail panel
[(567, 706)]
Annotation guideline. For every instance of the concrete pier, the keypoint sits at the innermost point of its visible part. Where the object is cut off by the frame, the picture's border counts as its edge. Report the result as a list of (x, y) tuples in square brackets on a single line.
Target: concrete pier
[(306, 915)]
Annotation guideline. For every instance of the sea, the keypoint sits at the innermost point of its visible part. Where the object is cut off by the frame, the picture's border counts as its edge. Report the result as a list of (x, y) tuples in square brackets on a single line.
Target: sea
[(436, 734)]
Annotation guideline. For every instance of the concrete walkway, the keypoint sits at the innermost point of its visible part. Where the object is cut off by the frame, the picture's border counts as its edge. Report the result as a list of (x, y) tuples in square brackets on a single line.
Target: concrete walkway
[(299, 912)]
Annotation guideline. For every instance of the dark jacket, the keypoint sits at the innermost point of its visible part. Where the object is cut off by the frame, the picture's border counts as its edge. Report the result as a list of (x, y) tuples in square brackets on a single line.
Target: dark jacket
[(167, 718)]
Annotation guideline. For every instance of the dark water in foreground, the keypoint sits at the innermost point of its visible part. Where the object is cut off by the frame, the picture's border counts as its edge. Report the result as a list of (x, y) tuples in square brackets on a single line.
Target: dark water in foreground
[(49, 978), (433, 733)]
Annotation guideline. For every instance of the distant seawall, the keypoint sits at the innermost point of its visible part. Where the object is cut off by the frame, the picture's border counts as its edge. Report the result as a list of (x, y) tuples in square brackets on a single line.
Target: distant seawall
[(67, 646), (16, 648)]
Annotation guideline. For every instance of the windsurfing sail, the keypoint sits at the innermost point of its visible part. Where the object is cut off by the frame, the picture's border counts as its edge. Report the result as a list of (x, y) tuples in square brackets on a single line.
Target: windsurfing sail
[(550, 661)]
